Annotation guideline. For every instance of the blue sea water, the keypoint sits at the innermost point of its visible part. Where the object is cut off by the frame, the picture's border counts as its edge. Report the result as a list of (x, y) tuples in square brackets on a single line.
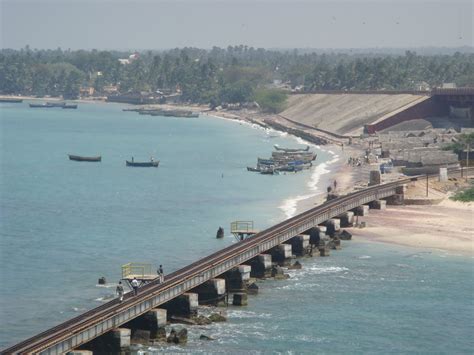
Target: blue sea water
[(64, 224)]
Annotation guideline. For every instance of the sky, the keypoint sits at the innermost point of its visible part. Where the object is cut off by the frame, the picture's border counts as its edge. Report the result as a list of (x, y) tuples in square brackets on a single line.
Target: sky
[(157, 24)]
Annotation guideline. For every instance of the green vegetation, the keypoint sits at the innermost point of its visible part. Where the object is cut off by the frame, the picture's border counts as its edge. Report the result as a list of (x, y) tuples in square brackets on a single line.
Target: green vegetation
[(464, 140), (465, 195), (234, 75), (271, 100)]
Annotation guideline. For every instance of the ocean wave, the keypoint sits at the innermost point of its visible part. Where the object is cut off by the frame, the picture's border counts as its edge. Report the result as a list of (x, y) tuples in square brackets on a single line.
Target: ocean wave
[(364, 257), (247, 314), (289, 206)]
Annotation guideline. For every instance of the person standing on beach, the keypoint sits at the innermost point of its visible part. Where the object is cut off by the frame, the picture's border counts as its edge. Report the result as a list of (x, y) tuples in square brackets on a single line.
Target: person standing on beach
[(119, 291), (335, 184), (135, 285)]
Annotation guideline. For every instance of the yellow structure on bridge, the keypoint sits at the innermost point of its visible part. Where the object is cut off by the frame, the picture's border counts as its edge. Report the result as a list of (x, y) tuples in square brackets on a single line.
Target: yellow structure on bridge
[(242, 229)]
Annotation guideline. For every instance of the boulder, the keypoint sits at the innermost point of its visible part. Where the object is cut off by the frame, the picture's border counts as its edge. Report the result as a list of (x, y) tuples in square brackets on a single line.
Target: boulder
[(140, 336), (172, 336), (252, 289), (216, 317), (345, 235), (296, 265), (182, 336), (205, 337), (201, 320)]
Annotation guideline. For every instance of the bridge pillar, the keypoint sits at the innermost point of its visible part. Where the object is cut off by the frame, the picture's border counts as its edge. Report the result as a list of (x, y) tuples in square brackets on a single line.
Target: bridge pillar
[(153, 322), (184, 305), (398, 198), (361, 210), (346, 219), (282, 254), (238, 278), (378, 204), (211, 292), (261, 266), (117, 341), (333, 225), (299, 244), (239, 299)]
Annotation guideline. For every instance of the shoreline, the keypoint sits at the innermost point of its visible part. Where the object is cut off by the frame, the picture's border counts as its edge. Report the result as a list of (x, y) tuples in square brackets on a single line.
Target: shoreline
[(380, 229)]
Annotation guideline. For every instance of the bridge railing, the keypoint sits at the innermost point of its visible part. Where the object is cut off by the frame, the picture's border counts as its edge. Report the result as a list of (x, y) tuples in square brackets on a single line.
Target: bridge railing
[(138, 270)]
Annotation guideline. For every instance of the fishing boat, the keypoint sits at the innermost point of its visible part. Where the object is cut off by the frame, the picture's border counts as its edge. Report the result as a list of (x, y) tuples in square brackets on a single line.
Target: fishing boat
[(261, 161), (70, 106), (144, 164), (56, 104), (249, 168), (81, 158), (268, 170), (10, 100), (291, 150), (41, 105)]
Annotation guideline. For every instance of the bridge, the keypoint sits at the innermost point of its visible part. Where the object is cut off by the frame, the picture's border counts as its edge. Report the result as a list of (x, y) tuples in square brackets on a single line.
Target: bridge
[(98, 321)]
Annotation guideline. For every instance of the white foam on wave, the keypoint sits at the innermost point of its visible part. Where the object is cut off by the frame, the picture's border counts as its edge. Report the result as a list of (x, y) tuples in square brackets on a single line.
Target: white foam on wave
[(364, 257)]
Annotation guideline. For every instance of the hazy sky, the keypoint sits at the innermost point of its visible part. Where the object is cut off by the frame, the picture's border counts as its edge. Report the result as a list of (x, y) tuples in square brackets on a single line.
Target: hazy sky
[(147, 24)]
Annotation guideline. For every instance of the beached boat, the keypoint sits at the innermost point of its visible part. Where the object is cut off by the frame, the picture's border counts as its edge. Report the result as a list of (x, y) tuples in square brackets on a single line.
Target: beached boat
[(70, 106), (81, 158), (292, 150), (145, 164), (10, 100)]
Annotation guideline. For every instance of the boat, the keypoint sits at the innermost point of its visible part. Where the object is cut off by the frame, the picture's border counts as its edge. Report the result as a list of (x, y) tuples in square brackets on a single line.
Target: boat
[(11, 100), (70, 106), (268, 170), (41, 105), (292, 150), (56, 104), (261, 161), (81, 158), (144, 164), (249, 168)]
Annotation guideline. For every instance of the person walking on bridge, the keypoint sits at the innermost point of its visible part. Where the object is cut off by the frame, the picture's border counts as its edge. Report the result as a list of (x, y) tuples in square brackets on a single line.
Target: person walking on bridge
[(161, 275), (119, 291), (135, 285)]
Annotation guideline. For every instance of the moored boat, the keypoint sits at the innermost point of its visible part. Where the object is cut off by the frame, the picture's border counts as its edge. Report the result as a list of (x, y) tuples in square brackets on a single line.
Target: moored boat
[(249, 168), (291, 150), (70, 106), (10, 100), (82, 158), (41, 105), (56, 104), (144, 164)]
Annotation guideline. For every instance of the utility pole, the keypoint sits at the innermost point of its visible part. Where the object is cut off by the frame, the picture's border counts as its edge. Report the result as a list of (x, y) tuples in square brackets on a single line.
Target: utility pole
[(426, 184), (467, 160)]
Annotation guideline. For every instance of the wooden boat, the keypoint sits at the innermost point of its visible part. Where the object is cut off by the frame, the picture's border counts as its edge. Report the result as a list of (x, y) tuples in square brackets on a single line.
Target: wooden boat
[(292, 150), (81, 158), (261, 161), (146, 164), (56, 104), (11, 100), (70, 106), (40, 106), (249, 168)]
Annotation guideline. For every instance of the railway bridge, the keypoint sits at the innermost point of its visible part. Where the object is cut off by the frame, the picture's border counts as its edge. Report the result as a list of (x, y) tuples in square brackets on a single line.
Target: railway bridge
[(92, 324)]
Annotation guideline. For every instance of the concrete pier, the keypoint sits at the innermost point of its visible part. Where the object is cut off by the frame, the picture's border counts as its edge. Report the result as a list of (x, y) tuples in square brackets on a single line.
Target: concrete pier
[(153, 322), (184, 305), (378, 204), (333, 226), (346, 219), (361, 210), (282, 254), (211, 292), (239, 299), (299, 244), (323, 248), (237, 278), (117, 341), (261, 266)]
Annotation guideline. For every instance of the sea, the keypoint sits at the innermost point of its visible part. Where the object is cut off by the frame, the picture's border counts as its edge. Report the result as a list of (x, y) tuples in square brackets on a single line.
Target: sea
[(64, 224)]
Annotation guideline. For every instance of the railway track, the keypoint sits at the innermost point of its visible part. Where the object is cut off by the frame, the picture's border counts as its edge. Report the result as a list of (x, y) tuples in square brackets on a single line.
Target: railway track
[(48, 338)]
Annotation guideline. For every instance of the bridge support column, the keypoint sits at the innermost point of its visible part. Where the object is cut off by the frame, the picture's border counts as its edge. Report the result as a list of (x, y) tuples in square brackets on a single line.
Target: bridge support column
[(346, 219), (261, 266), (282, 254), (184, 305), (323, 248), (299, 244), (239, 299), (361, 210), (151, 325), (117, 341), (238, 278), (398, 198), (378, 204), (333, 225), (211, 292)]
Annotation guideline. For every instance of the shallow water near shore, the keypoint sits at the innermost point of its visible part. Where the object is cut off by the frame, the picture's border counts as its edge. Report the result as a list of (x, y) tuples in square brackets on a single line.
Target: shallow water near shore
[(65, 223)]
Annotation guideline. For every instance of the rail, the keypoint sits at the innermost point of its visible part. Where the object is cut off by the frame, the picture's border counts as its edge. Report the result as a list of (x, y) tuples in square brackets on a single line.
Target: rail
[(91, 324)]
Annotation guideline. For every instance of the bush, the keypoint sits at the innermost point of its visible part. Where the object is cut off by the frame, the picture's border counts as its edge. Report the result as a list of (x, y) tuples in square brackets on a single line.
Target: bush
[(465, 195), (271, 100)]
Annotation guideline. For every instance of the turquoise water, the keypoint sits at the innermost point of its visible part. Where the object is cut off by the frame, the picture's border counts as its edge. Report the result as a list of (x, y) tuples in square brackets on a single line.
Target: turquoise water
[(64, 224)]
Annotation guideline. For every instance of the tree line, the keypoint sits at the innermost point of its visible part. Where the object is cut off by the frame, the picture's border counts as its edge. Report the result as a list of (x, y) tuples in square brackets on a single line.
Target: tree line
[(236, 74)]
